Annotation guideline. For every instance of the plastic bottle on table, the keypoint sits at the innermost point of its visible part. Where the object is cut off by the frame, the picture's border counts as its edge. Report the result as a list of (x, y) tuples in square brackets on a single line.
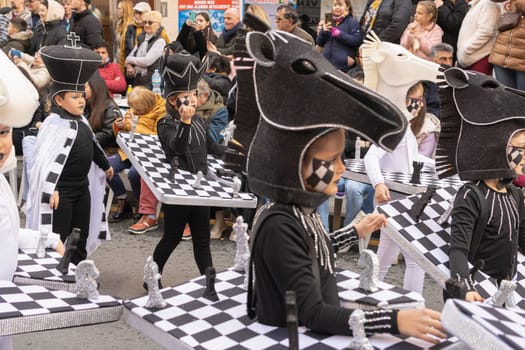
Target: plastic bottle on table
[(155, 82)]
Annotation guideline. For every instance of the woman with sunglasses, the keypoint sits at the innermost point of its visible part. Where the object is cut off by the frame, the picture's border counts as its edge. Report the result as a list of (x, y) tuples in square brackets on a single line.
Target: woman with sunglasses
[(145, 56)]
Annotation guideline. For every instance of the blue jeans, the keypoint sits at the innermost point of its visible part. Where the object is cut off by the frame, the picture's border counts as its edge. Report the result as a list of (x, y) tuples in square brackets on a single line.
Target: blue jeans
[(510, 77), (359, 196), (116, 183)]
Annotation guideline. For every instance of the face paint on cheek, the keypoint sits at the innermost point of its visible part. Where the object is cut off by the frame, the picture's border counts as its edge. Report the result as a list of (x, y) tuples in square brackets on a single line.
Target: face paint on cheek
[(320, 174), (414, 105), (514, 156)]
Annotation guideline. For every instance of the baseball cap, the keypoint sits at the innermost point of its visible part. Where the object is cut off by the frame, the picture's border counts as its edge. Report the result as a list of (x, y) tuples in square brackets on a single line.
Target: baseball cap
[(142, 7)]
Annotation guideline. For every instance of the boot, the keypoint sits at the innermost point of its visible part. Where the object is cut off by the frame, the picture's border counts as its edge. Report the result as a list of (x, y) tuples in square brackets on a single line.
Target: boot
[(124, 211)]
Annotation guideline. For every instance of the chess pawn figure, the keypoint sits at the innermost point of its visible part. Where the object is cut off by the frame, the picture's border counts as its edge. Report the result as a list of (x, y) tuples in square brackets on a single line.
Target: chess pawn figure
[(86, 280), (243, 251), (134, 120), (356, 323), (237, 183), (197, 184), (152, 278), (41, 247), (368, 280)]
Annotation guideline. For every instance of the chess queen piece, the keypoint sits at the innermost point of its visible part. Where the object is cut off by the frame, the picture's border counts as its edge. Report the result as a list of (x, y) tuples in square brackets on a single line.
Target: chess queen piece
[(152, 278), (368, 280), (86, 280), (209, 292), (197, 184), (242, 253), (41, 247), (504, 295), (356, 323), (71, 247)]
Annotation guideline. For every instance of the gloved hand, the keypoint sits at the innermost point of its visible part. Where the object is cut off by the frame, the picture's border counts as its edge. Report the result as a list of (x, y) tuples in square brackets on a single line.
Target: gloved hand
[(335, 32), (520, 181)]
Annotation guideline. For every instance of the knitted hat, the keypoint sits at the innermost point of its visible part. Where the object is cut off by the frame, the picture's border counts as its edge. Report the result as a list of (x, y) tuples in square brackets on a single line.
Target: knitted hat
[(181, 72), (142, 7), (301, 96), (479, 115), (18, 97), (70, 65)]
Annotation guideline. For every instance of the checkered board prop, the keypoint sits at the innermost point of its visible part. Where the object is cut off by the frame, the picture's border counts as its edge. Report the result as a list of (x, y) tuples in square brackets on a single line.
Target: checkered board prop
[(146, 154), (42, 271), (398, 181), (427, 241), (35, 308), (387, 297), (483, 326), (190, 321)]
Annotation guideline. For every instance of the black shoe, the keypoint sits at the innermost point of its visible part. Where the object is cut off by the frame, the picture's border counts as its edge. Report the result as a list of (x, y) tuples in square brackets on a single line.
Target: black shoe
[(124, 212)]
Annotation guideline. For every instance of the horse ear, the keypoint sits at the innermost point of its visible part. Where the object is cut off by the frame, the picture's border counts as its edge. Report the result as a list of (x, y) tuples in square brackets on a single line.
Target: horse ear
[(456, 78), (261, 48), (377, 56)]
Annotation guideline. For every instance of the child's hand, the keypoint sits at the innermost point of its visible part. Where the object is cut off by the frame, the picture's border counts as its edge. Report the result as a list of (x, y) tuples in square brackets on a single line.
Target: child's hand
[(53, 201), (473, 296), (370, 223), (186, 113), (421, 323), (109, 173), (382, 193)]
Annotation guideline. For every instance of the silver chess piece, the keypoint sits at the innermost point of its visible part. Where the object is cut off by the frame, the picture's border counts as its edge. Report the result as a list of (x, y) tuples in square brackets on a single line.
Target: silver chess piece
[(227, 133), (504, 295), (242, 252), (152, 278), (41, 247), (237, 183), (134, 120), (356, 323), (86, 280), (247, 273), (198, 179), (446, 214), (368, 279)]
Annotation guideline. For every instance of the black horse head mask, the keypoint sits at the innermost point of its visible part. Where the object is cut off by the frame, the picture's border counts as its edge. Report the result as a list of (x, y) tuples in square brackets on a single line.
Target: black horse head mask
[(479, 115), (300, 95)]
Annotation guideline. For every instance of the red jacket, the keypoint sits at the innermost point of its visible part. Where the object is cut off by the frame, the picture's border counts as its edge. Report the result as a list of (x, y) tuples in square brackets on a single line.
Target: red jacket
[(112, 75)]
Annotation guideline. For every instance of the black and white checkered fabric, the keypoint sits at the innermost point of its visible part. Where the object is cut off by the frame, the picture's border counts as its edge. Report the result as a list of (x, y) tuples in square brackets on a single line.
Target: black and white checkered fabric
[(427, 177), (427, 241), (484, 326), (35, 308), (192, 321), (146, 154), (42, 271)]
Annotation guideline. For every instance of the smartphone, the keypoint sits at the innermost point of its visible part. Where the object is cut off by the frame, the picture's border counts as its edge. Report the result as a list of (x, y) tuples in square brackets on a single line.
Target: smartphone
[(16, 53), (192, 15), (328, 18)]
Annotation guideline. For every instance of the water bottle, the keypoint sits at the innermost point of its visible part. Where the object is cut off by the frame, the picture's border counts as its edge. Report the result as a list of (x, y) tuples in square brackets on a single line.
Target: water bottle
[(155, 82)]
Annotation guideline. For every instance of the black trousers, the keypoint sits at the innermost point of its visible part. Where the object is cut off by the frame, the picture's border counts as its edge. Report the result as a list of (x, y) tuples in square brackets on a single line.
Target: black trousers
[(175, 219), (73, 210)]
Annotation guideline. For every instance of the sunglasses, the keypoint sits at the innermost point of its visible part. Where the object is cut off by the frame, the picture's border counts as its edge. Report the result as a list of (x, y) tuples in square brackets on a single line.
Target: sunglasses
[(148, 23)]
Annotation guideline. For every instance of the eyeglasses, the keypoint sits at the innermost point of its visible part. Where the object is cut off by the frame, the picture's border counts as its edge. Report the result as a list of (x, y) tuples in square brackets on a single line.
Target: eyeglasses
[(149, 23)]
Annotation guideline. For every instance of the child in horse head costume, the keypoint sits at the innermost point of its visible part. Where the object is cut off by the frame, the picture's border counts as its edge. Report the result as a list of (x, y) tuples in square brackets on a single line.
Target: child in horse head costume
[(482, 140), (295, 162)]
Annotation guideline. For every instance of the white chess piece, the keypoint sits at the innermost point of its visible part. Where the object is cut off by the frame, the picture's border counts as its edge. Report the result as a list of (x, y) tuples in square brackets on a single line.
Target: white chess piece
[(134, 120), (41, 247), (504, 295), (368, 279), (152, 278), (243, 251), (198, 179), (237, 183), (227, 133), (86, 280), (356, 323)]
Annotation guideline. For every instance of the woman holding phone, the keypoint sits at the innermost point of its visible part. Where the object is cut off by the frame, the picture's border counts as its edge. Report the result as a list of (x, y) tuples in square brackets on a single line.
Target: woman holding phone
[(195, 34), (339, 36)]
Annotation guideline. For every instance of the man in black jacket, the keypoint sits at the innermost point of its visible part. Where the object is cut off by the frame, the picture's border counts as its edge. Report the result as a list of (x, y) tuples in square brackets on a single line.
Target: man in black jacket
[(86, 25)]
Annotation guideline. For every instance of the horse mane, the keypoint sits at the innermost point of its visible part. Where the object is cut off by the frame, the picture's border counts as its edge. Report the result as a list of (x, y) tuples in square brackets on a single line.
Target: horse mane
[(370, 44)]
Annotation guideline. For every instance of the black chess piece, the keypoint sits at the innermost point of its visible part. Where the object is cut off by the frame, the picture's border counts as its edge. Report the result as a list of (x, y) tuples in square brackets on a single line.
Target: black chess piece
[(419, 206), (174, 166), (209, 292), (416, 175), (291, 320), (71, 247)]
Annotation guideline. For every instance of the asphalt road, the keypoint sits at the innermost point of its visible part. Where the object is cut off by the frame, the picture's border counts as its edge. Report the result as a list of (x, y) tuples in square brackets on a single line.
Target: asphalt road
[(121, 264)]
